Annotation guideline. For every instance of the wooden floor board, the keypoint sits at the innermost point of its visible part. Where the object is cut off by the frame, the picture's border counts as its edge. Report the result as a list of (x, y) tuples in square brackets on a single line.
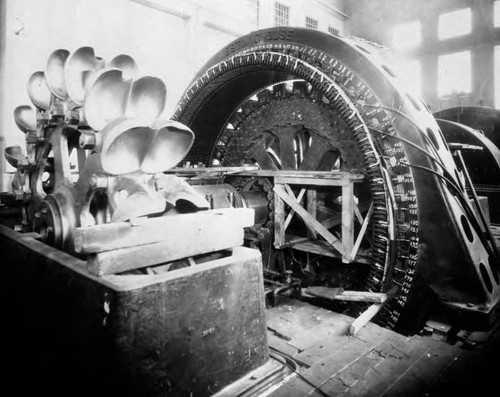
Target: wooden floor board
[(395, 362), (375, 362), (424, 373)]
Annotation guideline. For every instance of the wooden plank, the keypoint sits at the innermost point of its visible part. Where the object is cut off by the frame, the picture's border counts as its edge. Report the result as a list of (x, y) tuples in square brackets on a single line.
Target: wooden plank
[(279, 221), (193, 240), (425, 372), (292, 212), (312, 181), (289, 190), (280, 344), (362, 231), (337, 357), (311, 176), (347, 221), (366, 316), (140, 231), (351, 374), (323, 248), (341, 294), (320, 229), (312, 207), (329, 327), (399, 355), (371, 312)]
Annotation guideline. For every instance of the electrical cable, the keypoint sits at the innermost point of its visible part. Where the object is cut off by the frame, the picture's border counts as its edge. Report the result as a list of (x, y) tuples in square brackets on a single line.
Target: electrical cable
[(414, 145), (465, 205), (448, 178), (292, 364)]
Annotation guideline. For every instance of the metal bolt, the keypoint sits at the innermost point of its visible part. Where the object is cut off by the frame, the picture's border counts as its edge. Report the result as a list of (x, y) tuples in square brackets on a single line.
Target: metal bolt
[(231, 199), (210, 200), (98, 182), (87, 140)]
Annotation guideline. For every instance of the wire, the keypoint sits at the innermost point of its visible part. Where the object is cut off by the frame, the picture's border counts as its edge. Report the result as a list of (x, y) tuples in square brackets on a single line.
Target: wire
[(414, 145), (465, 205), (448, 178), (293, 365)]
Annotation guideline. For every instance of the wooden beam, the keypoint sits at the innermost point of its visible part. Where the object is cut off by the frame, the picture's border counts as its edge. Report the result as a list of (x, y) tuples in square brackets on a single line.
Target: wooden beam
[(279, 221), (308, 219), (312, 181), (371, 312), (341, 294), (332, 221), (292, 212), (348, 220), (193, 239), (314, 177), (364, 318), (312, 207), (140, 231), (321, 247), (362, 232), (289, 190)]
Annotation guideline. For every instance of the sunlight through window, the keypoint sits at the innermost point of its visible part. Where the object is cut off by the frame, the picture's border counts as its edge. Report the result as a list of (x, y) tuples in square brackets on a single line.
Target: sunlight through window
[(407, 35), (454, 73), (497, 77), (409, 72), (496, 14), (455, 23)]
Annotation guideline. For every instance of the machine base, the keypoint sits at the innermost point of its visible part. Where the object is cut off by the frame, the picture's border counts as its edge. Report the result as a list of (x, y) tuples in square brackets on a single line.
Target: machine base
[(190, 331)]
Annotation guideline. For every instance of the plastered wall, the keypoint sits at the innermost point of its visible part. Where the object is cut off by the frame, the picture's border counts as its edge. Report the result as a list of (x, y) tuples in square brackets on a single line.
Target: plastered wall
[(170, 39)]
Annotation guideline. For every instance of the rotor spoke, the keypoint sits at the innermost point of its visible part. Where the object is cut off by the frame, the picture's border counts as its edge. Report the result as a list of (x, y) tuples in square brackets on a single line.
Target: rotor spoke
[(287, 149), (259, 153), (314, 155)]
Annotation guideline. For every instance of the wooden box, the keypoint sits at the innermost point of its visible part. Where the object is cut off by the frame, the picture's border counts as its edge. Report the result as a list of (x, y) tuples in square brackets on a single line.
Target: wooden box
[(188, 332)]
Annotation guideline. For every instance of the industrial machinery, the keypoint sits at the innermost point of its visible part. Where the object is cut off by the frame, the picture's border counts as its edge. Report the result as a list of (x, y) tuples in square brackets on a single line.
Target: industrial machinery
[(294, 99), (359, 194)]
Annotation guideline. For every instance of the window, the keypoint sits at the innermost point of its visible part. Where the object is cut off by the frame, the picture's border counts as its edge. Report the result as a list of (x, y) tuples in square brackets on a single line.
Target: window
[(333, 31), (455, 23), (407, 35), (409, 72), (454, 73), (281, 14), (311, 23), (497, 77), (254, 6), (496, 14)]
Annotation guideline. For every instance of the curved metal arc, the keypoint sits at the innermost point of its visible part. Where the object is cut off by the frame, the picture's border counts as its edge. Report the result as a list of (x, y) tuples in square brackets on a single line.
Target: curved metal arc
[(493, 150), (25, 118), (54, 73), (78, 70), (13, 155), (38, 91), (106, 98)]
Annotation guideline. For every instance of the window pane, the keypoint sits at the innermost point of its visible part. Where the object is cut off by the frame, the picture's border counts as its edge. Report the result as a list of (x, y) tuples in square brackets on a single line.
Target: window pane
[(409, 73), (496, 14), (407, 35), (311, 23), (497, 77), (456, 23), (281, 14), (454, 73), (333, 31)]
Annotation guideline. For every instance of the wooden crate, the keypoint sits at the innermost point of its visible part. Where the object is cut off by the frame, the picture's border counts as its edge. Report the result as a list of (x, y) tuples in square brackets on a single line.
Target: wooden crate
[(190, 331)]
